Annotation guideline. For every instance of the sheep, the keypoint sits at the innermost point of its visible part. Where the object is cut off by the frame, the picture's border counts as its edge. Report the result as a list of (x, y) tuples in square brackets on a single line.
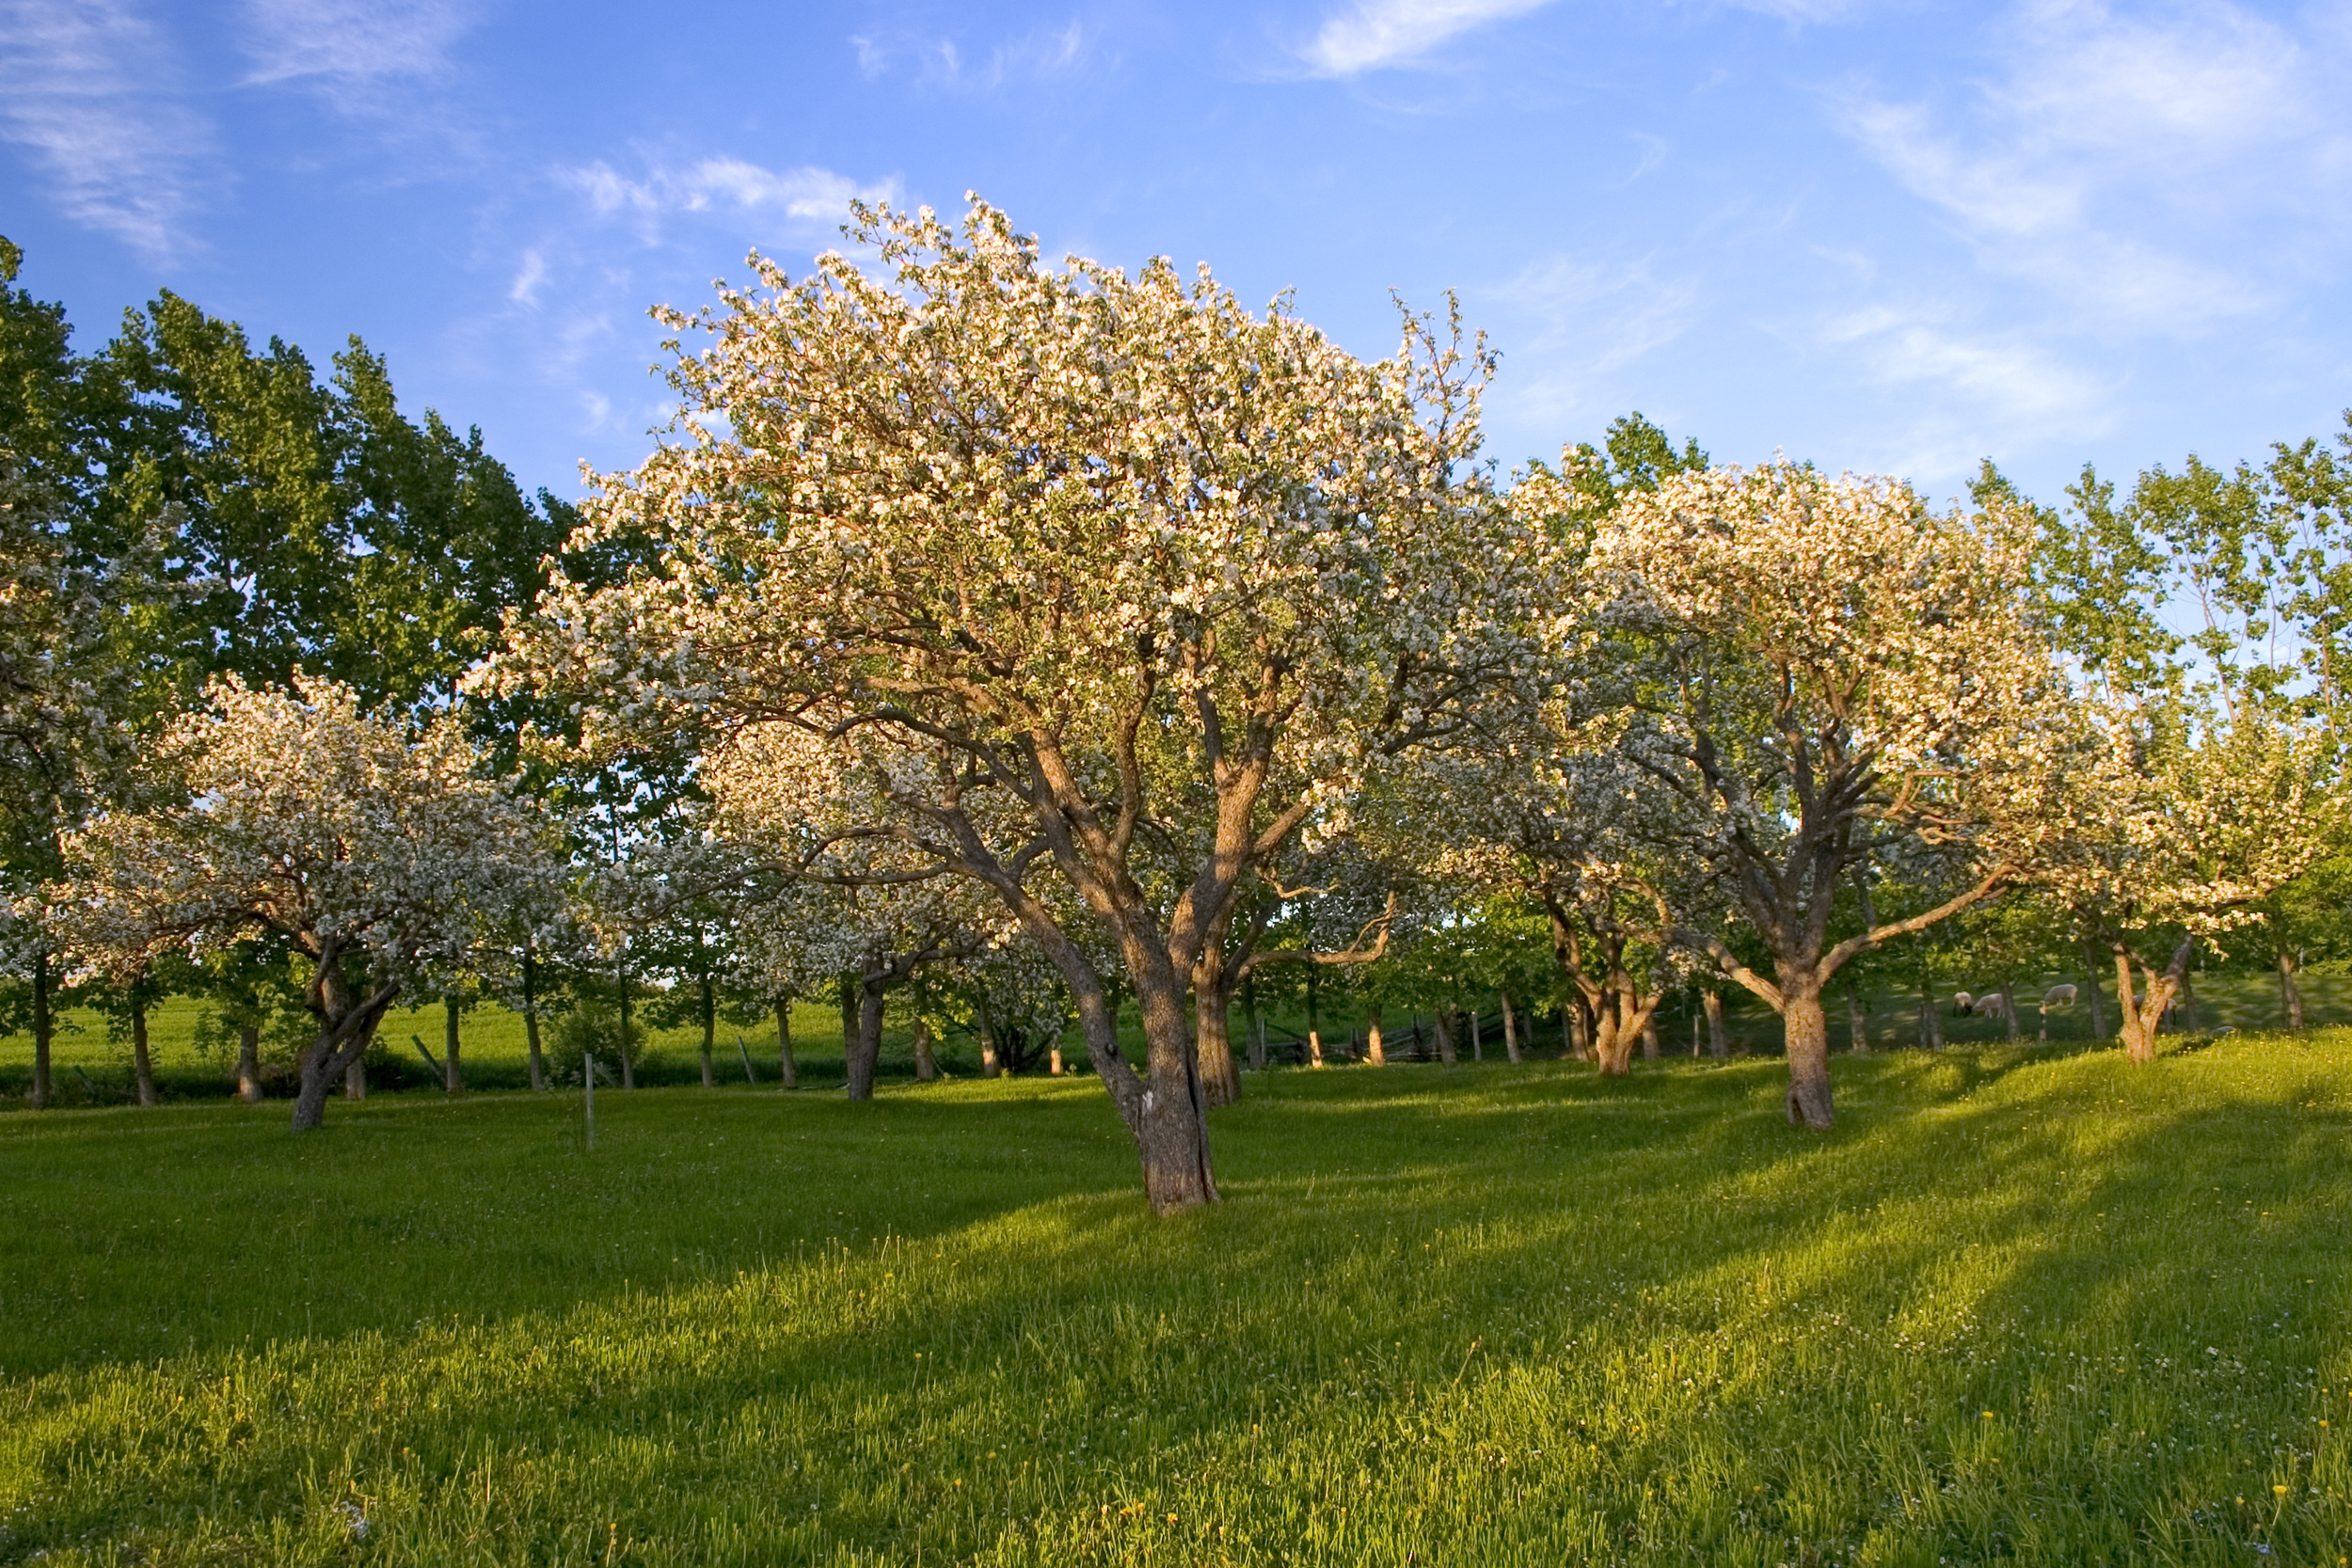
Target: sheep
[(1989, 1006), (2059, 997), (1962, 1002)]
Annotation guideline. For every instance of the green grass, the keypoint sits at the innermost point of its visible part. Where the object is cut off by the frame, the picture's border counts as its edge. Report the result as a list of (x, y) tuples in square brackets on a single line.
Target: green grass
[(2019, 1306)]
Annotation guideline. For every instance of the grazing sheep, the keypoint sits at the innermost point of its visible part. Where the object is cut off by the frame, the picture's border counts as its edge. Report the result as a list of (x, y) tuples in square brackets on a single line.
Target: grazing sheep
[(2059, 997), (1987, 1005), (1962, 1002)]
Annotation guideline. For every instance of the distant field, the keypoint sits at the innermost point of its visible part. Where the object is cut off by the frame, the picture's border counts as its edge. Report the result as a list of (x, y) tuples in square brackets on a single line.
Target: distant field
[(91, 1068), (2021, 1306)]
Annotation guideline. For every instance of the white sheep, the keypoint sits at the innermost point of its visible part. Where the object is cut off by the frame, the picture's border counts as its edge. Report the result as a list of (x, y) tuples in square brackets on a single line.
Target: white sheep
[(2057, 998)]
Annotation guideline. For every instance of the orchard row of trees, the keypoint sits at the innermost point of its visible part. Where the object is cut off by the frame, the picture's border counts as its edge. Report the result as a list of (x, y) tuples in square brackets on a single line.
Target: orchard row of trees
[(1046, 642)]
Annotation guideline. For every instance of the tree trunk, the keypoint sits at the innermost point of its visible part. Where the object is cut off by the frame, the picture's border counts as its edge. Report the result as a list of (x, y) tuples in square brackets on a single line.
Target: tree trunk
[(926, 1064), (2290, 995), (1052, 1060), (1857, 1024), (1170, 1118), (788, 1076), (531, 1022), (1571, 1025), (249, 1063), (346, 1027), (456, 1082), (710, 1030), (44, 1027), (1931, 1027), (1650, 1050), (1477, 1037), (1213, 1009), (2090, 991), (628, 1047), (2191, 1019), (355, 1083), (1807, 1028), (1718, 1038), (142, 1065), (864, 1053), (1445, 1038), (2009, 1010), (1510, 1029), (1373, 1052), (2141, 1014), (1315, 1046)]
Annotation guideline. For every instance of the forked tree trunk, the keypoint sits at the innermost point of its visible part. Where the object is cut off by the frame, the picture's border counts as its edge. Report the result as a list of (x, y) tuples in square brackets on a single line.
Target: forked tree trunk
[(2290, 995), (1510, 1029), (2142, 1012), (1374, 1053), (249, 1063), (346, 1026), (531, 1022), (454, 1083), (44, 1027), (1807, 1028), (787, 1075), (926, 1064), (1718, 1038), (1857, 1024), (142, 1065)]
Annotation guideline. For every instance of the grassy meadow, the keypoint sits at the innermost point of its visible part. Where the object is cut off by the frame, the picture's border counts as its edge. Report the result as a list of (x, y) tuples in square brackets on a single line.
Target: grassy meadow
[(2026, 1306)]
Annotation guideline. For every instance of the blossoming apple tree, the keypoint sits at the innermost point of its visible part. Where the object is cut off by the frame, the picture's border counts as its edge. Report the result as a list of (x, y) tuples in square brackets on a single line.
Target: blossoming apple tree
[(1135, 581)]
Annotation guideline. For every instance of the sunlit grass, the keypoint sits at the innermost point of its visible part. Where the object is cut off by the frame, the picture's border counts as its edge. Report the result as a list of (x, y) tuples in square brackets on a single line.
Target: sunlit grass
[(2017, 1307)]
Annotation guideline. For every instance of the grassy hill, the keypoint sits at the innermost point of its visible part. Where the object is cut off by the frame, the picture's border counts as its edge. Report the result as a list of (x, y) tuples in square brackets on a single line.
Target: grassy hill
[(2020, 1305)]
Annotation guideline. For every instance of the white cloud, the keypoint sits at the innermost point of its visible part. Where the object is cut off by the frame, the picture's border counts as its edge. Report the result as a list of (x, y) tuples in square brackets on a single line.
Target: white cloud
[(528, 278), (88, 88), (941, 61), (1583, 321), (807, 193), (1376, 33), (349, 42), (2129, 163)]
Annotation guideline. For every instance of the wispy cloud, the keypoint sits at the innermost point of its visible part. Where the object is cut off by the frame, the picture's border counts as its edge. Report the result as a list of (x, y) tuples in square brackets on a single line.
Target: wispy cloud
[(1375, 33), (90, 88), (807, 193), (1581, 321), (939, 60), (2120, 160), (368, 58)]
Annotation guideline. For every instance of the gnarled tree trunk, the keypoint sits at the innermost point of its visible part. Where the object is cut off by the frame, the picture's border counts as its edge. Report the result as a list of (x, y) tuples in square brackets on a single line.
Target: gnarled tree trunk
[(346, 1025)]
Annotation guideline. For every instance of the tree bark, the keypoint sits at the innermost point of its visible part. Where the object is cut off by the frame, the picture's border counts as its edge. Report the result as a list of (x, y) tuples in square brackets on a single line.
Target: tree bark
[(346, 1026), (1477, 1037), (1650, 1051), (142, 1065), (1857, 1024), (1808, 1029), (628, 1047), (1510, 1029), (2190, 1016), (455, 1083), (1212, 1006), (2009, 1010), (2142, 1013), (710, 1028), (1445, 1038), (44, 1029), (1373, 1052), (1931, 1027), (2290, 995), (249, 1063), (787, 1077), (926, 1064), (2091, 993), (354, 1081), (865, 1051), (531, 1022), (1718, 1038)]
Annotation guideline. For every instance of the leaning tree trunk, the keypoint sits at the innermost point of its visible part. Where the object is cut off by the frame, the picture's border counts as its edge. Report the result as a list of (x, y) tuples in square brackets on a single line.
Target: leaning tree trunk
[(1718, 1038), (142, 1065), (2290, 995), (346, 1026), (455, 1081), (249, 1063), (1807, 1028), (790, 1078), (44, 1027)]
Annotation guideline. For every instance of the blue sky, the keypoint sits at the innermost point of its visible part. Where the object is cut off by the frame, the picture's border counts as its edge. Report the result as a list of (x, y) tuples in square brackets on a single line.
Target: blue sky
[(1883, 236)]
